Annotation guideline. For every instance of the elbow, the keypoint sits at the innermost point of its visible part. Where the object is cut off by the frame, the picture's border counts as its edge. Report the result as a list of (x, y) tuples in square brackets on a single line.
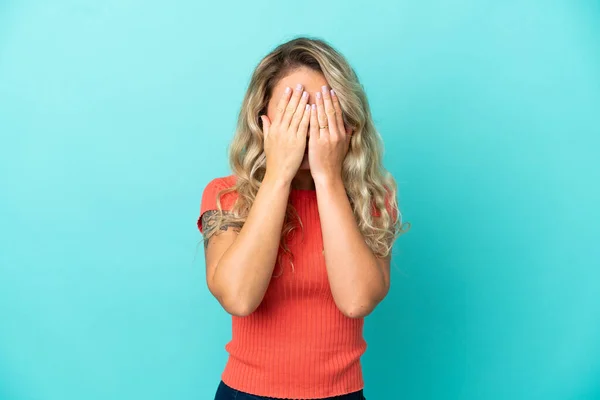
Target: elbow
[(356, 312), (240, 310), (360, 307), (231, 300), (364, 298), (357, 309), (236, 306)]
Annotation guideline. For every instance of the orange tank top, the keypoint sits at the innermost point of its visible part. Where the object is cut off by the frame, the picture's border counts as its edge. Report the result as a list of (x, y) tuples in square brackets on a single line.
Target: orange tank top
[(296, 344)]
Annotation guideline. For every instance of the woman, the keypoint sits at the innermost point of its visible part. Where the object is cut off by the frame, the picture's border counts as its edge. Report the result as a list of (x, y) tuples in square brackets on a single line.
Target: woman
[(298, 239)]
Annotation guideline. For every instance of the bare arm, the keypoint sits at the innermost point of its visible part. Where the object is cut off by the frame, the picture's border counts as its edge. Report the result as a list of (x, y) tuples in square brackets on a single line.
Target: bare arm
[(359, 280), (239, 266), (240, 261)]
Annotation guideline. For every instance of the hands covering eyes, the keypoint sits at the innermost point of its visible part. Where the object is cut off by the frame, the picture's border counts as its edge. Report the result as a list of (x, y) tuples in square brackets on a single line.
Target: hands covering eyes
[(285, 138)]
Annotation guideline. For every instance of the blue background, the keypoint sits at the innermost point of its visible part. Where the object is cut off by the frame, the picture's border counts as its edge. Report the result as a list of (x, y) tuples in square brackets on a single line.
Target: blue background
[(115, 114)]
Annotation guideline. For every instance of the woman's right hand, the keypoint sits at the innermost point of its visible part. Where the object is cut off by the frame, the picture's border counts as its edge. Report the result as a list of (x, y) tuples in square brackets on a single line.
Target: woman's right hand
[(285, 136)]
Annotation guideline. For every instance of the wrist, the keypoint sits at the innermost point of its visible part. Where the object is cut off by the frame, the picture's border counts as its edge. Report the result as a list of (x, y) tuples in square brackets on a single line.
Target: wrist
[(328, 182), (277, 182)]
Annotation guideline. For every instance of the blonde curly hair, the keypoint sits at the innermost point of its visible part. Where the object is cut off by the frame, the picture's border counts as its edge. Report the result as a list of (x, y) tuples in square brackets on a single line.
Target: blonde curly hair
[(367, 183)]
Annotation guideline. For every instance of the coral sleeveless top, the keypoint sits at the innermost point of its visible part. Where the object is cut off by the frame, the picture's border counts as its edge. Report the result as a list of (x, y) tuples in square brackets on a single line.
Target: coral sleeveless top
[(296, 344)]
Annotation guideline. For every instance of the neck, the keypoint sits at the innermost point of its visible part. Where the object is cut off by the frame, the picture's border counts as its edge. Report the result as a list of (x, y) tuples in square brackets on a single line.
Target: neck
[(303, 180)]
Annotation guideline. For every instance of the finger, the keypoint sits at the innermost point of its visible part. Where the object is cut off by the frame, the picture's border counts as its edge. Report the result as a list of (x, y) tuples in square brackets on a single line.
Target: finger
[(321, 116), (303, 127), (329, 111), (266, 125), (290, 110), (299, 114), (338, 113), (314, 127), (314, 122), (282, 104)]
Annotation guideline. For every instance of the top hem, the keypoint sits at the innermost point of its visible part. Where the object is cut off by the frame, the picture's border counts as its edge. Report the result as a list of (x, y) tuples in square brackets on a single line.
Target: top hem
[(292, 396)]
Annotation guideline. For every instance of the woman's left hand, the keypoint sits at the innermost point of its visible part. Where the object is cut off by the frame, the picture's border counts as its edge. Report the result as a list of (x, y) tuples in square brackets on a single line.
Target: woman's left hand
[(329, 140)]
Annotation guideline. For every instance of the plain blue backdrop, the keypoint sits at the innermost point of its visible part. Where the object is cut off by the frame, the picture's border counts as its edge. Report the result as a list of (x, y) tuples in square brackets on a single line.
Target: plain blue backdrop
[(115, 114)]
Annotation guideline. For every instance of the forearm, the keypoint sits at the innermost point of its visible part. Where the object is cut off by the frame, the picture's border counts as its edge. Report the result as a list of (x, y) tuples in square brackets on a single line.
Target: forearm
[(356, 279), (244, 271)]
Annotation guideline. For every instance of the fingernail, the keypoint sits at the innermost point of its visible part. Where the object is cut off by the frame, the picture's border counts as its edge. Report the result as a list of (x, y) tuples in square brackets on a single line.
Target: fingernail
[(314, 106), (332, 92), (298, 87), (318, 95), (287, 89), (324, 88), (305, 95)]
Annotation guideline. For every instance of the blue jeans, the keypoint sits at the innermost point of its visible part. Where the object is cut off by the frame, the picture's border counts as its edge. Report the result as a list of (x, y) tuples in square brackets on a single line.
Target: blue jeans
[(225, 392)]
